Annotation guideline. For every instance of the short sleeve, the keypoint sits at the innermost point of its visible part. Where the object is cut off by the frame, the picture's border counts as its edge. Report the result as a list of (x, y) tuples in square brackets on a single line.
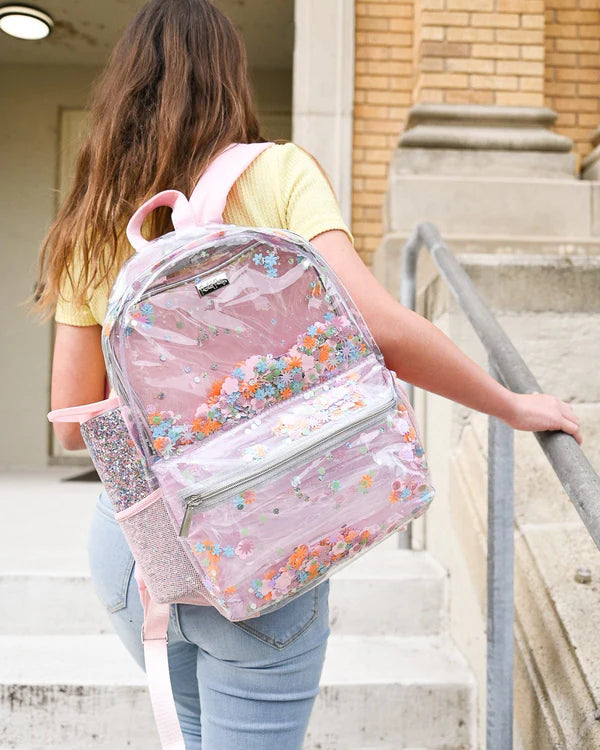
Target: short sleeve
[(92, 310), (69, 311), (310, 206)]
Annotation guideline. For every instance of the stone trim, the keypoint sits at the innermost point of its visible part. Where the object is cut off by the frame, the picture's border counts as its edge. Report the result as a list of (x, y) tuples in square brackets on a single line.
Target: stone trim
[(483, 127), (323, 89)]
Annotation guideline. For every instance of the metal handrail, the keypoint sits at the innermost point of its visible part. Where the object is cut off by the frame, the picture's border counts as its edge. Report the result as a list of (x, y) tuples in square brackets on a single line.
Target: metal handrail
[(571, 466)]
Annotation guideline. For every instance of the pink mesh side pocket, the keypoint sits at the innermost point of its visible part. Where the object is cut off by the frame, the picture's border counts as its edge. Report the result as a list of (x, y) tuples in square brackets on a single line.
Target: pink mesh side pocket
[(166, 569)]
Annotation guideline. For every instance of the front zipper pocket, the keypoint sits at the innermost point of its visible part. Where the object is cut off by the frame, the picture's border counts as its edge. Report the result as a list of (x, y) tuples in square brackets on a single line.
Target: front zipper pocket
[(206, 496), (272, 532), (203, 498)]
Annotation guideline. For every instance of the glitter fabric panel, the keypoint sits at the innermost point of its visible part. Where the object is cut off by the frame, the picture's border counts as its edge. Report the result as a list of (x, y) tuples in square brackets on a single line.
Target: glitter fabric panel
[(168, 573), (118, 462)]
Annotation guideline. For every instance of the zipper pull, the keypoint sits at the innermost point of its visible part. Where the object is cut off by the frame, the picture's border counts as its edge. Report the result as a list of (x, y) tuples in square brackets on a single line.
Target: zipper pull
[(184, 530)]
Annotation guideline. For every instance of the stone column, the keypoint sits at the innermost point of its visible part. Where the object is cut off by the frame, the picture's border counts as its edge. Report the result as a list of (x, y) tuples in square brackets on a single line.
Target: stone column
[(489, 177)]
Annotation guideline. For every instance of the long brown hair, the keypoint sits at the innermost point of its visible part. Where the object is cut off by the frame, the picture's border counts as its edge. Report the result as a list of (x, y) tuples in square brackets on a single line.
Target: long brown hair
[(175, 92)]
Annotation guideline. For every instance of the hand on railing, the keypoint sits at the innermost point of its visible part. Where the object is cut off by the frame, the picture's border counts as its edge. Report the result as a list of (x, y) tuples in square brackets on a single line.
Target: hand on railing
[(540, 411)]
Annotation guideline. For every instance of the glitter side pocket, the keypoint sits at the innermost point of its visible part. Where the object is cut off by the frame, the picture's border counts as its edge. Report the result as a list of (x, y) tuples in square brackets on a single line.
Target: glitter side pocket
[(119, 464), (138, 504)]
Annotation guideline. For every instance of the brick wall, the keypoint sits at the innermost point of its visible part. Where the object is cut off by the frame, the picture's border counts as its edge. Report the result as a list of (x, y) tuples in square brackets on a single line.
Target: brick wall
[(480, 52), (506, 52), (572, 61)]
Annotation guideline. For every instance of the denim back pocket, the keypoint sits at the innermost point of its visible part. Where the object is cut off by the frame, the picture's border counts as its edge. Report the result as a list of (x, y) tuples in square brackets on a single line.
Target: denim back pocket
[(111, 561), (285, 625)]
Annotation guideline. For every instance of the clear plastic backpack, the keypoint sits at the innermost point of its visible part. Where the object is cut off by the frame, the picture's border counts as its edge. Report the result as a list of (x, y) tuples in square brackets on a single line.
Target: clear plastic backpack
[(257, 442)]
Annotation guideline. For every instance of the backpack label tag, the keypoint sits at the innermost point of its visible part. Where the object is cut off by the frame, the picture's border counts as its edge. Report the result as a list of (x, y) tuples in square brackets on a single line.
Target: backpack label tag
[(212, 284)]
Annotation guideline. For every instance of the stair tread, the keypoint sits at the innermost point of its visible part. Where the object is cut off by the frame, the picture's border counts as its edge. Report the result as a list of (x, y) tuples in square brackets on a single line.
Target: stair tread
[(401, 660), (389, 562), (46, 502), (67, 660), (101, 660)]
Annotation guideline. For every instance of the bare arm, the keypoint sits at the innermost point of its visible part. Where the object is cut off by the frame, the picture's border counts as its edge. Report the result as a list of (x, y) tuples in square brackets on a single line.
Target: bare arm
[(421, 354), (78, 376)]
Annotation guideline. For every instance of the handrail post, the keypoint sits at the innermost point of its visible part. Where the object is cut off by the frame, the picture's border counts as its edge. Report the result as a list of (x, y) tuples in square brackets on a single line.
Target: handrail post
[(408, 298), (408, 285), (500, 584)]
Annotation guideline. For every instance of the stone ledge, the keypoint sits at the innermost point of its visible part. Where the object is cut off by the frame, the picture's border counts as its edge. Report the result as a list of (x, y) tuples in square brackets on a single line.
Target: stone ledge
[(483, 127), (492, 140), (472, 137), (481, 113), (490, 205), (387, 262), (553, 614), (451, 158), (518, 244), (536, 283)]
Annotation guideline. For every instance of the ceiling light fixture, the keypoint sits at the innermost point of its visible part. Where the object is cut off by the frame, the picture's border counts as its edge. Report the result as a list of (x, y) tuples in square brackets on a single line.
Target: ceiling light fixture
[(25, 22)]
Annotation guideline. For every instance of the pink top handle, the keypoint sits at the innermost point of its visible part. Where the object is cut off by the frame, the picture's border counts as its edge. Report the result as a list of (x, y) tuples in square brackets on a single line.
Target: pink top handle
[(182, 215), (208, 199)]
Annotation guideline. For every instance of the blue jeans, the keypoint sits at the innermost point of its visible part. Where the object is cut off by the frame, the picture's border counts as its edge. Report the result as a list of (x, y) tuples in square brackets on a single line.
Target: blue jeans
[(247, 685)]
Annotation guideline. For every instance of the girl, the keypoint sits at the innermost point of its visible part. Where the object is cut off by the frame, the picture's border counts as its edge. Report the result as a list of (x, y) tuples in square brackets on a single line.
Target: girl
[(174, 94)]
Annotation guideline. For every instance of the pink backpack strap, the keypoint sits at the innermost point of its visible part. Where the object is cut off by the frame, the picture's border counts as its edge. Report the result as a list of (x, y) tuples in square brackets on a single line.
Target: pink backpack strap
[(81, 414), (154, 638), (207, 202), (210, 194)]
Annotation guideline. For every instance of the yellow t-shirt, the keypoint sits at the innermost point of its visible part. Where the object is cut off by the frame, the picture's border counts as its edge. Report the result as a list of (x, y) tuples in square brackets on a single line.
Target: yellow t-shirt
[(282, 188)]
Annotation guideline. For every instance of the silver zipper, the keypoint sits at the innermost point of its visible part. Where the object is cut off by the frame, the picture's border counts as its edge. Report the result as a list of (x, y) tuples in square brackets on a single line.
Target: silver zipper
[(172, 284), (213, 497)]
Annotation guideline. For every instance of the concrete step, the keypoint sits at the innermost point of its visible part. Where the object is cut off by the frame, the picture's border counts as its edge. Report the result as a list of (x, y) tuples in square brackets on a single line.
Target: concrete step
[(390, 591), (377, 692), (76, 692), (51, 605), (45, 522), (393, 693)]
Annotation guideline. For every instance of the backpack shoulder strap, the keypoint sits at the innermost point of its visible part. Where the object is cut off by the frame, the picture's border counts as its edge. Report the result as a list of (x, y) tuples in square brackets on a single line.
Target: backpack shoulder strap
[(154, 638), (210, 194), (207, 202)]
